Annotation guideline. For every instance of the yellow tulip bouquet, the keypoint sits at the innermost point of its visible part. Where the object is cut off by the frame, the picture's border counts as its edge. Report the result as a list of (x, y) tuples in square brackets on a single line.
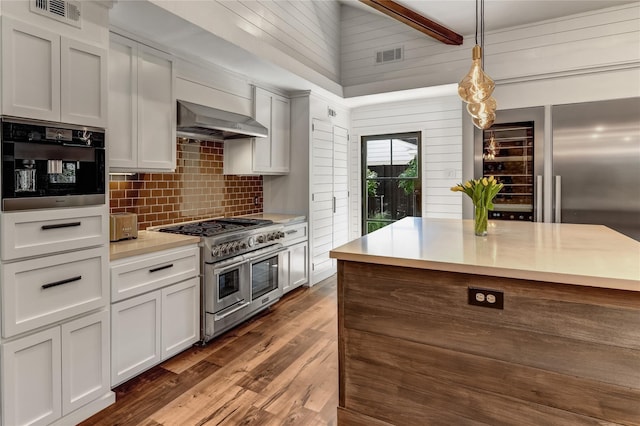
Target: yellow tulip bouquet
[(482, 192)]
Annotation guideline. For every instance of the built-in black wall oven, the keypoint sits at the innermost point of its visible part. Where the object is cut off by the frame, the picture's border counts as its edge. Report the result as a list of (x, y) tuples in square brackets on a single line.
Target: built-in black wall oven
[(51, 165)]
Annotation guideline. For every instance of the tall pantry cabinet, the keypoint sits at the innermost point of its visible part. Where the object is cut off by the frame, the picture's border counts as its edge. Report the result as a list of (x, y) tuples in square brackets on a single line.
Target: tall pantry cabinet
[(317, 183), (54, 287)]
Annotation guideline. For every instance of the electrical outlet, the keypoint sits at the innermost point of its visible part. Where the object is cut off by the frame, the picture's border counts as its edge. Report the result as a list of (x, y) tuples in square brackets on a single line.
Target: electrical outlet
[(486, 298)]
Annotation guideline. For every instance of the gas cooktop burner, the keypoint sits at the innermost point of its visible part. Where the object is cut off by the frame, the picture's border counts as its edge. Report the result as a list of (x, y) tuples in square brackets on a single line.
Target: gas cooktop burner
[(213, 227)]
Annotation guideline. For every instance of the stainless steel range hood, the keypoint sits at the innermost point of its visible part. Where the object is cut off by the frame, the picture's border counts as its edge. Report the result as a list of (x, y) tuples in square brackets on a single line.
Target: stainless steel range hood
[(211, 124)]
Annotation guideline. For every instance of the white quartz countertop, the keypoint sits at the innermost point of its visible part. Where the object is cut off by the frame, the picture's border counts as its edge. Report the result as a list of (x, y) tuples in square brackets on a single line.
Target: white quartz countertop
[(149, 242), (590, 255)]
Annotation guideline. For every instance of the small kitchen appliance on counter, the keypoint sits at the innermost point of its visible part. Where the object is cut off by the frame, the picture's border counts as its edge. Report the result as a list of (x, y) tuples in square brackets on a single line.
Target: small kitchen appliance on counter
[(123, 226)]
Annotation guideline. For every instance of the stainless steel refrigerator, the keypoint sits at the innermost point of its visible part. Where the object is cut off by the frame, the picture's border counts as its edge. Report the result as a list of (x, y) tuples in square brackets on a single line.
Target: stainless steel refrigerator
[(573, 163)]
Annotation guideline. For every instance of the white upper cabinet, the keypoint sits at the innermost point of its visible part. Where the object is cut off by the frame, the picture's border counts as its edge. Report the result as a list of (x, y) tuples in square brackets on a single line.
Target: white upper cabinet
[(263, 156), (271, 154), (142, 108), (49, 77)]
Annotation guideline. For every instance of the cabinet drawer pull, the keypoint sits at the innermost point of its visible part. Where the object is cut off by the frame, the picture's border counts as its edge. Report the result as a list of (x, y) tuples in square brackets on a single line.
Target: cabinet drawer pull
[(57, 283), (291, 231), (60, 225), (160, 268)]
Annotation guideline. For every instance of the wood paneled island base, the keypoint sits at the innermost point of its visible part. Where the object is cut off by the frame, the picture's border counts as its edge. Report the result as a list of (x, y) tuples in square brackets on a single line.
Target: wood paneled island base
[(412, 351), (415, 349)]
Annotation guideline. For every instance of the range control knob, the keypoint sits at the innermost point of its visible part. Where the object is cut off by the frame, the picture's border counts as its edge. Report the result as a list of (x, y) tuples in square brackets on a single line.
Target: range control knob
[(280, 234), (261, 238), (215, 251)]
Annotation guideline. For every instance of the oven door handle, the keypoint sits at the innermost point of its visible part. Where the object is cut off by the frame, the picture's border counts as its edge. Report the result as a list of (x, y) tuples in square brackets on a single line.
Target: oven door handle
[(262, 256), (225, 265), (232, 311)]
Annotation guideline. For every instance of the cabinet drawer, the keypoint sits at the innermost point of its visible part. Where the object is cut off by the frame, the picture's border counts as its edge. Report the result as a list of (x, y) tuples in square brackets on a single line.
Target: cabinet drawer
[(36, 233), (140, 274), (38, 292), (295, 233)]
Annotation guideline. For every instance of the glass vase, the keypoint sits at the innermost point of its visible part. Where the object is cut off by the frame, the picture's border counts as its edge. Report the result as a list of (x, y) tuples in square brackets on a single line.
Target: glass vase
[(480, 220)]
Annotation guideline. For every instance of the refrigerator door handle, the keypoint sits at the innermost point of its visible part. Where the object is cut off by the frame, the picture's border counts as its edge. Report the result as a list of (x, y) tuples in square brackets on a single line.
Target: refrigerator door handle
[(558, 206), (539, 198)]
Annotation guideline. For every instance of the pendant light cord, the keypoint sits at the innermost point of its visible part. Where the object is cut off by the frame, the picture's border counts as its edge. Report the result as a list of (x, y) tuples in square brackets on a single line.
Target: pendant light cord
[(476, 21), (482, 31)]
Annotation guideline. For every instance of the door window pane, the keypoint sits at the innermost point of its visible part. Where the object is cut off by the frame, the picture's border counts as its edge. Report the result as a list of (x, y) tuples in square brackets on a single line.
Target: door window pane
[(391, 178)]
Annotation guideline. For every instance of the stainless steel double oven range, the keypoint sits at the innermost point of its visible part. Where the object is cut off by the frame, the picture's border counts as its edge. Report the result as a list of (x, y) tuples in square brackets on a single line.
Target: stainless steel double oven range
[(242, 270)]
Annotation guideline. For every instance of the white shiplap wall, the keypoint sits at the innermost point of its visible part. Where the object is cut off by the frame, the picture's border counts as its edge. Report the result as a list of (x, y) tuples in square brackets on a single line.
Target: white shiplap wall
[(440, 121), (587, 41)]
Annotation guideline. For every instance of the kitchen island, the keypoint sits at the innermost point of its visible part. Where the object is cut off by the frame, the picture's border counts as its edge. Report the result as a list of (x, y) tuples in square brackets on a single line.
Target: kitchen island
[(533, 324)]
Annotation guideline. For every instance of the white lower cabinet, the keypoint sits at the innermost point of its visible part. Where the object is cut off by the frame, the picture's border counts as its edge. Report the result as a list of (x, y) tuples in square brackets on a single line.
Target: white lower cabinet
[(180, 327), (51, 373), (296, 262), (135, 336), (165, 320)]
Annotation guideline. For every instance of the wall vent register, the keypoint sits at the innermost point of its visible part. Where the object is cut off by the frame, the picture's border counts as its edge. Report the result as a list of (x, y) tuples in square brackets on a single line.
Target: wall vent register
[(68, 12)]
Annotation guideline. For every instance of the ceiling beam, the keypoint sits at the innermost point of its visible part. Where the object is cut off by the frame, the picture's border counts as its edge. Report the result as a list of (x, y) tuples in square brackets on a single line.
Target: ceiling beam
[(415, 20)]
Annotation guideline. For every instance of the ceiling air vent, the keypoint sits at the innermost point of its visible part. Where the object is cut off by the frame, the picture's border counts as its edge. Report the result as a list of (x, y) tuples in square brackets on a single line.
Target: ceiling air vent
[(63, 11), (389, 55)]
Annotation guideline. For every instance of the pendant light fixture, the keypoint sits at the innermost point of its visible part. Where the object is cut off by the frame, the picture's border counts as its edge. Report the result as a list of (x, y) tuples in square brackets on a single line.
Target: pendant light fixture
[(476, 87)]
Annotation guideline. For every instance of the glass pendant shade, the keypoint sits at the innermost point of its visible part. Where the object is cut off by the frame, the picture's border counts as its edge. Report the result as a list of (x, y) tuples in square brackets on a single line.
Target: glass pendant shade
[(476, 86), (484, 122), (481, 109)]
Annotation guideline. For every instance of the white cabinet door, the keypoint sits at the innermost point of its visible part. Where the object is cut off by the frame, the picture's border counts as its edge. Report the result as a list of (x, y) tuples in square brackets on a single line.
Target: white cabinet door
[(271, 154), (263, 156), (330, 196), (321, 235), (123, 104), (85, 360), (156, 111), (83, 94), (298, 261), (31, 378), (180, 316), (135, 336), (340, 187), (280, 134), (142, 108), (30, 71), (262, 146)]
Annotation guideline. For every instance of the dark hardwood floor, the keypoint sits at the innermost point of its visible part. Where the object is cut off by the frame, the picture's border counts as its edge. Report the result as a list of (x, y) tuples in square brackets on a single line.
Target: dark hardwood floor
[(279, 368)]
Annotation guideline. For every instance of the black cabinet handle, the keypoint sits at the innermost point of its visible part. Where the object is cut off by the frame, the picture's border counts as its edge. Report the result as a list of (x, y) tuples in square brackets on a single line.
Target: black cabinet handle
[(291, 231), (160, 268), (60, 225), (57, 283)]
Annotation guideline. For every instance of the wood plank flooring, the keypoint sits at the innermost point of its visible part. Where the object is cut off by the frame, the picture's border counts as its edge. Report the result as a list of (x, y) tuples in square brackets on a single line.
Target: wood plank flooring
[(279, 368)]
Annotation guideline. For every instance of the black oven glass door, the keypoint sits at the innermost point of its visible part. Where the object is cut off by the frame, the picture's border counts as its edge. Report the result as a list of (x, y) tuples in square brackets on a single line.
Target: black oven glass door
[(228, 286), (264, 276)]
